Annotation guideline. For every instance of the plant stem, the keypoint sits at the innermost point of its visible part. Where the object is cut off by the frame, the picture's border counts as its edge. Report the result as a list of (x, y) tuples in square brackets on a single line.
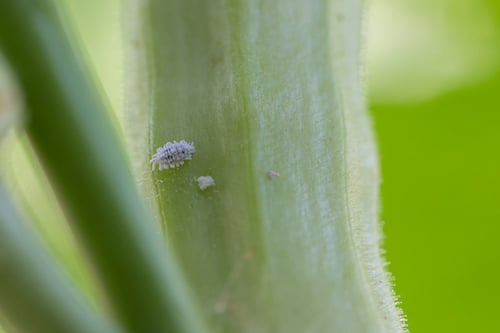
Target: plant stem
[(260, 86), (35, 295), (69, 128)]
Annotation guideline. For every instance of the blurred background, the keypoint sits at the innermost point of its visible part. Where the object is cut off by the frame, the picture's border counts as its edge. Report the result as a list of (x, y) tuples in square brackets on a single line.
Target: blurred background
[(434, 94), (433, 88)]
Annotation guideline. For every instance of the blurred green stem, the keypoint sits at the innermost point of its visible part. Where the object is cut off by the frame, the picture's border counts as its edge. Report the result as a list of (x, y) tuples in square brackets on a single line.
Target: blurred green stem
[(34, 294), (71, 133)]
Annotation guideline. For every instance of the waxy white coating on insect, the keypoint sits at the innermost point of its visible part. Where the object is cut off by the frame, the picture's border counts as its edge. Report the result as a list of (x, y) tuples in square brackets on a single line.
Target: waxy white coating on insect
[(273, 174), (205, 181), (172, 155)]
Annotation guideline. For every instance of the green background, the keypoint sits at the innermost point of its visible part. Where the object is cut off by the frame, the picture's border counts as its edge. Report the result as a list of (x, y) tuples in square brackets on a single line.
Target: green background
[(440, 194), (441, 188), (433, 90)]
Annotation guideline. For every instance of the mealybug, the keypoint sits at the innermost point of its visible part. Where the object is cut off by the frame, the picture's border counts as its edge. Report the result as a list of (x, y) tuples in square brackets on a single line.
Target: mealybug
[(172, 155), (205, 181), (272, 174)]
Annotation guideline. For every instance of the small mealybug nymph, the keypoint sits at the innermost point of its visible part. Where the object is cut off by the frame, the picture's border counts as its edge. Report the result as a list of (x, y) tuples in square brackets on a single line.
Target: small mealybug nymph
[(172, 155), (205, 181), (273, 174)]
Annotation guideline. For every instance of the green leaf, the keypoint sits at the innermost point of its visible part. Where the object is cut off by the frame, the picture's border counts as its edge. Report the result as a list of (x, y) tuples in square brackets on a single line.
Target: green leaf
[(10, 101), (262, 86), (34, 294), (76, 142)]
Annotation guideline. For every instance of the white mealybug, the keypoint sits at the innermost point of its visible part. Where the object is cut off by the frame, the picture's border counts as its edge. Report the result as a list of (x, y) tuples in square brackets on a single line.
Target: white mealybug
[(273, 174), (205, 181), (172, 155)]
